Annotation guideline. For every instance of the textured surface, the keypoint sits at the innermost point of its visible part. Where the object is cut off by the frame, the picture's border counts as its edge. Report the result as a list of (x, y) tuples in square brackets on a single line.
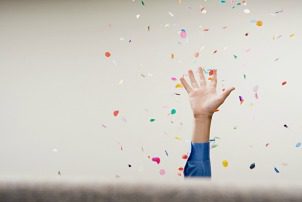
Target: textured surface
[(189, 190)]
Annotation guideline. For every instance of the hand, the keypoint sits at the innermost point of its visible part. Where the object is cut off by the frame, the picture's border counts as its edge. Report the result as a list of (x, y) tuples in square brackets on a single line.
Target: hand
[(204, 99)]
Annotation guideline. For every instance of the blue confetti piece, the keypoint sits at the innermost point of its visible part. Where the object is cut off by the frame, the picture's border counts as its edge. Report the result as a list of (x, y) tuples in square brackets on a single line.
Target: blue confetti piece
[(298, 144)]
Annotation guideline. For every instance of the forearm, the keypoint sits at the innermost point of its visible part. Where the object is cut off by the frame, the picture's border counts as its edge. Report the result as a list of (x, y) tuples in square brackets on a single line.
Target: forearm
[(201, 129)]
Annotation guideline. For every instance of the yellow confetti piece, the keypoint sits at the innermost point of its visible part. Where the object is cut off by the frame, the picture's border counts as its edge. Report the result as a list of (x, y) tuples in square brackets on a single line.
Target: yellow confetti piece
[(292, 35), (259, 23), (179, 85), (225, 163), (178, 137)]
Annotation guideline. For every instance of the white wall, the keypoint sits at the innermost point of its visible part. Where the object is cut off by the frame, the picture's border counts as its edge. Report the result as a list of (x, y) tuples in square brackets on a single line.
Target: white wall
[(57, 88)]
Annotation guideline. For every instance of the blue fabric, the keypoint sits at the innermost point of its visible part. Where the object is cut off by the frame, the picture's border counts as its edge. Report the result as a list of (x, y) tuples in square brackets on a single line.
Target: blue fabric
[(198, 163)]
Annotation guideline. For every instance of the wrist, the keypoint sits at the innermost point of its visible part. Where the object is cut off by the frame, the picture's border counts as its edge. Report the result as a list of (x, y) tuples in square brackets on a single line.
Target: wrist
[(203, 116)]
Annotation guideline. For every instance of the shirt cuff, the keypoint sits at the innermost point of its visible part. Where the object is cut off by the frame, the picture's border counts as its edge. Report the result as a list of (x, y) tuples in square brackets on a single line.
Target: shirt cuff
[(200, 151)]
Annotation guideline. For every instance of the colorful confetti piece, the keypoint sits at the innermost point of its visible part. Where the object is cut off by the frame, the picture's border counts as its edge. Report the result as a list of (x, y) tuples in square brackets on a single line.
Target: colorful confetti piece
[(156, 159), (115, 113), (259, 23), (162, 172), (298, 144), (225, 163), (241, 99), (184, 156), (183, 33), (284, 83), (152, 120), (179, 85), (180, 169), (173, 78), (276, 170), (285, 126), (173, 111), (107, 54), (252, 166)]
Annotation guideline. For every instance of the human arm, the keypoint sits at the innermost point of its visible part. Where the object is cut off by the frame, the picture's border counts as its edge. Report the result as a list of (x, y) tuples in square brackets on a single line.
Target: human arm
[(204, 101)]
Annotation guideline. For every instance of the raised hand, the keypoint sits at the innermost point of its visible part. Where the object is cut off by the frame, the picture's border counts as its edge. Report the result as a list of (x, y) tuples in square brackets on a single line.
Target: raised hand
[(203, 95)]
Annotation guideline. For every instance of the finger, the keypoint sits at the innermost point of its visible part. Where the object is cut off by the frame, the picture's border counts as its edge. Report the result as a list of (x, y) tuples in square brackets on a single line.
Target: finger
[(192, 79), (201, 76), (185, 84), (226, 93), (214, 79)]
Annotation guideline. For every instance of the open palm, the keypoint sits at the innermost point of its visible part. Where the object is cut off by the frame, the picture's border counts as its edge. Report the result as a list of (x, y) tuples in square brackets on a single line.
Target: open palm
[(204, 98)]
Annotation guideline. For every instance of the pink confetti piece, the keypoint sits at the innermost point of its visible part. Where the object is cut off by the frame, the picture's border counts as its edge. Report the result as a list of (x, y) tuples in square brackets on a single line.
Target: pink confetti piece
[(156, 159), (162, 172), (183, 33), (173, 78)]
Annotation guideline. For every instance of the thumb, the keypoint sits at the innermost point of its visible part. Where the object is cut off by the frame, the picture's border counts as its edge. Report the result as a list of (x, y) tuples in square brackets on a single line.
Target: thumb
[(226, 93)]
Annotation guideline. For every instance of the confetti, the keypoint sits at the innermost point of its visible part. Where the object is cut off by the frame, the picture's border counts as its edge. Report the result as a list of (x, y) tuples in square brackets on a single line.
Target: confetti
[(252, 166), (284, 83), (173, 111), (156, 159), (244, 76), (179, 85), (184, 156), (276, 170), (166, 153), (298, 144), (129, 165), (178, 137), (212, 71), (173, 78), (59, 173), (143, 3), (162, 172), (172, 56), (115, 113), (285, 126), (183, 33), (171, 14), (259, 23), (246, 34), (292, 35), (235, 56), (267, 144), (107, 54), (225, 163), (152, 120), (241, 99), (203, 10), (196, 55), (180, 168), (138, 16)]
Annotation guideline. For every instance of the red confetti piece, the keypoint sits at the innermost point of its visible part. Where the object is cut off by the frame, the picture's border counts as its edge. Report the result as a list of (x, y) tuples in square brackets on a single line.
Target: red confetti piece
[(162, 172), (180, 168), (156, 159), (107, 54), (115, 113), (284, 83), (212, 71), (185, 156)]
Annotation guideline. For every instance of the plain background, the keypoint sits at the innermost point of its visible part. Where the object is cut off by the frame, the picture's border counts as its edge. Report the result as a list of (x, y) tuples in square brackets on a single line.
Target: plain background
[(58, 91)]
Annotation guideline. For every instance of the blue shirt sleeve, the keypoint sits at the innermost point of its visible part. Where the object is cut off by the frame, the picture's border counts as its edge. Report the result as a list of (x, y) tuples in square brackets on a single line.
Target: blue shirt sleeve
[(198, 163)]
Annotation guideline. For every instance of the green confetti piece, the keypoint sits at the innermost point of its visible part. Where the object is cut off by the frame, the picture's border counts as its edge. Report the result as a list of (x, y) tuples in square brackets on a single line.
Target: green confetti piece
[(152, 120), (173, 111)]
